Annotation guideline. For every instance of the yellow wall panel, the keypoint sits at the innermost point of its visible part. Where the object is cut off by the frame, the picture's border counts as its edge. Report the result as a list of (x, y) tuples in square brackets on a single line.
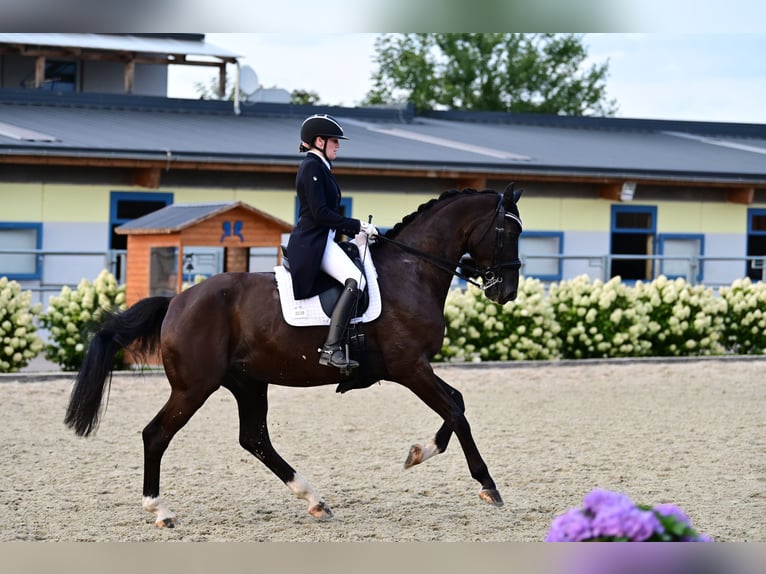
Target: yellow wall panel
[(75, 203), (563, 214), (724, 218), (21, 202), (386, 210), (679, 217)]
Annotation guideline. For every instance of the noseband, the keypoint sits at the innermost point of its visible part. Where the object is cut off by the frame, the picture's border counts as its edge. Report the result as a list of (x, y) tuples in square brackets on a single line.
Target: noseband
[(468, 270)]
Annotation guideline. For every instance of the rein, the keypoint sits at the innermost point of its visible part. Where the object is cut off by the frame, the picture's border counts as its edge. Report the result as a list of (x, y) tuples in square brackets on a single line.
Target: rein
[(468, 269)]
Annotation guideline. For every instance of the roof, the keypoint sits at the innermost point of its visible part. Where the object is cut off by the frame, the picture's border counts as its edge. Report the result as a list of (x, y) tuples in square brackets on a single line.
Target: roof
[(172, 131), (179, 216), (188, 44)]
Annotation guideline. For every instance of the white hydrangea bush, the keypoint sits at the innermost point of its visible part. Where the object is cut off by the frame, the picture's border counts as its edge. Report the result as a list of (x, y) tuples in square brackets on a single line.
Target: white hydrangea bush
[(19, 342), (682, 319), (70, 314), (531, 331), (597, 319), (479, 330), (744, 326)]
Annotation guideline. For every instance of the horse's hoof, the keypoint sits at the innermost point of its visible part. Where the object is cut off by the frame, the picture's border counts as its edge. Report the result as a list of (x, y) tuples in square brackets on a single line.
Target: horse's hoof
[(320, 511), (166, 523), (491, 496), (415, 456)]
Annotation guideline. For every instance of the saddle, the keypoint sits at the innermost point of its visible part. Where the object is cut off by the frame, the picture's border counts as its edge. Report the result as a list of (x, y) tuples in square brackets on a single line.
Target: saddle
[(318, 309)]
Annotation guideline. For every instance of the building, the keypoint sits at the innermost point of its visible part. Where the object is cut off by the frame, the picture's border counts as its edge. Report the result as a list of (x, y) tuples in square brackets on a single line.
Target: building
[(603, 196)]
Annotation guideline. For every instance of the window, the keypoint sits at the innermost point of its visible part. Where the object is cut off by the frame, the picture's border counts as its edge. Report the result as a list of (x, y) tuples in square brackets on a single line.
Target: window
[(682, 254), (633, 234), (756, 243), (60, 76), (126, 206), (536, 249), (20, 237)]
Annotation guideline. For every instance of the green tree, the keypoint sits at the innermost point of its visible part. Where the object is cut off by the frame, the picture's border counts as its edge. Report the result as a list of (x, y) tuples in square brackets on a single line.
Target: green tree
[(527, 73), (304, 97)]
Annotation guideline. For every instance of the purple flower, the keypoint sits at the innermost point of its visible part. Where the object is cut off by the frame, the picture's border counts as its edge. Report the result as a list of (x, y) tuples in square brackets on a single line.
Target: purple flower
[(626, 522), (673, 511), (598, 499), (572, 526)]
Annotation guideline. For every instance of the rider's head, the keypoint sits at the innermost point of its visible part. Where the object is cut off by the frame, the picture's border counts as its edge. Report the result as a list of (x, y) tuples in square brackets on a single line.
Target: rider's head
[(317, 130)]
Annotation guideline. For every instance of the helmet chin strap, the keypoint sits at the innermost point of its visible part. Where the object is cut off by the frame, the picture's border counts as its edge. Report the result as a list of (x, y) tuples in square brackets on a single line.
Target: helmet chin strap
[(321, 149)]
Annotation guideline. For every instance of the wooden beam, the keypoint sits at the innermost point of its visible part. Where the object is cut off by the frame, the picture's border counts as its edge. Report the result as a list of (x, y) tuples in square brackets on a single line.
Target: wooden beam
[(474, 182), (610, 191), (147, 177), (743, 195), (222, 81), (130, 75), (39, 71)]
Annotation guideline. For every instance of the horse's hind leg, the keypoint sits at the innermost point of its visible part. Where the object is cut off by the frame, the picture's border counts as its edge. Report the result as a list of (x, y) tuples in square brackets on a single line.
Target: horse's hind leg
[(422, 452), (157, 436), (253, 406)]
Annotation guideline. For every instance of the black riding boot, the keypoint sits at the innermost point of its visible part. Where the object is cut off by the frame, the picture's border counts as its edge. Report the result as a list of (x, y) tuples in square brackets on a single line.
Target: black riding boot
[(333, 353)]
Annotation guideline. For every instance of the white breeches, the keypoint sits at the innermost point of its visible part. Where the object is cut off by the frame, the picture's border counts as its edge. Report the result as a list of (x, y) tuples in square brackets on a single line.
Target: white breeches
[(338, 265)]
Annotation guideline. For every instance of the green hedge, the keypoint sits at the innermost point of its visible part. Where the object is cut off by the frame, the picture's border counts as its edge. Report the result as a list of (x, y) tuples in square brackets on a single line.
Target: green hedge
[(585, 318)]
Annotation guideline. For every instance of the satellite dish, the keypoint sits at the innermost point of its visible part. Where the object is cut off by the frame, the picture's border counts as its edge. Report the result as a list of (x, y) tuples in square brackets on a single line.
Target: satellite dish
[(248, 80)]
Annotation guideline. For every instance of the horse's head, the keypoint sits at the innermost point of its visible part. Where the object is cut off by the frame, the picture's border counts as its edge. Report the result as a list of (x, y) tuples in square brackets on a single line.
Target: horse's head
[(495, 253)]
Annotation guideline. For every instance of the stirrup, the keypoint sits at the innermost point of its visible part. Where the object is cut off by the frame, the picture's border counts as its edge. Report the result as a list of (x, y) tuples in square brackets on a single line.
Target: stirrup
[(334, 356)]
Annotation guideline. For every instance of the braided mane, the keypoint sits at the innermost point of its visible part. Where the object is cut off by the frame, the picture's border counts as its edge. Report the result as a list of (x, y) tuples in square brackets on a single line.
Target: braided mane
[(396, 229)]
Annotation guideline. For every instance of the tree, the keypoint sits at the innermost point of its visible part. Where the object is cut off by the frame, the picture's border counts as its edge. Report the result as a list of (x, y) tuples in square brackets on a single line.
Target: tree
[(527, 73), (304, 97)]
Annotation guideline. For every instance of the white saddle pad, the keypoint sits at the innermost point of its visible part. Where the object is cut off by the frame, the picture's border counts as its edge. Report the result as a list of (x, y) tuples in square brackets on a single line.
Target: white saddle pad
[(309, 312)]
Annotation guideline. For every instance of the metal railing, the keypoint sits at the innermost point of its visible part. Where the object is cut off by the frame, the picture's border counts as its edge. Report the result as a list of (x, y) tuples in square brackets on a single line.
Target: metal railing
[(693, 270), (114, 260)]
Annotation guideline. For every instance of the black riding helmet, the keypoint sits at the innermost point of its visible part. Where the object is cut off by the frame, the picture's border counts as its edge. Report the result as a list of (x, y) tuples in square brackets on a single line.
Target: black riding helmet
[(319, 125)]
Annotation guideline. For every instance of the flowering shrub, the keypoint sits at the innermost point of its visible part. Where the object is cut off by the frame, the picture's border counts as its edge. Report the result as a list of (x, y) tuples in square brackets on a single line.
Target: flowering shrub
[(71, 314), (682, 319), (479, 330), (18, 342), (744, 325), (612, 517), (598, 319)]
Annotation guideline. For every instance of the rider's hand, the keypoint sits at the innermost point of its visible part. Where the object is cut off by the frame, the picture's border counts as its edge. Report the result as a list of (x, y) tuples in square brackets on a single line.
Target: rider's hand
[(368, 229)]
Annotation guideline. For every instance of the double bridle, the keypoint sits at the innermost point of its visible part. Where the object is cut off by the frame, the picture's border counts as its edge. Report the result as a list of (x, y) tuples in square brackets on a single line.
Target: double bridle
[(466, 268)]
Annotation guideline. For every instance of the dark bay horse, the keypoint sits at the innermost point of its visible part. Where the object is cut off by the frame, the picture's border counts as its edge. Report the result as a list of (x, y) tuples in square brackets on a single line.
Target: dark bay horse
[(228, 331)]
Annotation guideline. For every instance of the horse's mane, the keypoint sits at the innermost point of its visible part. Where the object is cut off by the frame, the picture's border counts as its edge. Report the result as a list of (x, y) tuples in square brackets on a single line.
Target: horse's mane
[(396, 229)]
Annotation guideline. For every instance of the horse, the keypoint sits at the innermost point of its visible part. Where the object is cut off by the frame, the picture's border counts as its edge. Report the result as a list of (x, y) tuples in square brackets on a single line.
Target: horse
[(228, 331)]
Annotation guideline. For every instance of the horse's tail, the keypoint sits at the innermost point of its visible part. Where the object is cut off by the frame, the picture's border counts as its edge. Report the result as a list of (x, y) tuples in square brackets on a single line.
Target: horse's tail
[(139, 325)]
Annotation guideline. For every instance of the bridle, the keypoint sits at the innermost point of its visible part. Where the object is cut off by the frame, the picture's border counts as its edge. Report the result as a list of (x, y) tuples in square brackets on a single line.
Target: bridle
[(466, 268)]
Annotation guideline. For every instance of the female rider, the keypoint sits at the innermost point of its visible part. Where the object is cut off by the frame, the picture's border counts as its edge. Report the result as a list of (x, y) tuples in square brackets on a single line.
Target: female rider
[(313, 242)]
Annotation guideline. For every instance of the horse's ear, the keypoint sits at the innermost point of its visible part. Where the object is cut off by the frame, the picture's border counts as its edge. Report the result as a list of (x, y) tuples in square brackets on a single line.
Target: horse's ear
[(512, 194)]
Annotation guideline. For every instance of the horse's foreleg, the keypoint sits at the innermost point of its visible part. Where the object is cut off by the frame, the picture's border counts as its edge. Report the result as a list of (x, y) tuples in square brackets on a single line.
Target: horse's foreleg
[(157, 436), (422, 452), (252, 402), (426, 385)]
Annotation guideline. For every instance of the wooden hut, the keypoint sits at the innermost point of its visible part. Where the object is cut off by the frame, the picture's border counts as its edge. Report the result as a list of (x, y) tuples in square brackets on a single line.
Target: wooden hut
[(156, 242)]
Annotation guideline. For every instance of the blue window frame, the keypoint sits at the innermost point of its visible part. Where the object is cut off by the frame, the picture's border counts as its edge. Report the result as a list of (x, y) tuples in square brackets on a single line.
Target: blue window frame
[(756, 242), (538, 244), (633, 232), (20, 236), (687, 245), (125, 206), (345, 205)]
